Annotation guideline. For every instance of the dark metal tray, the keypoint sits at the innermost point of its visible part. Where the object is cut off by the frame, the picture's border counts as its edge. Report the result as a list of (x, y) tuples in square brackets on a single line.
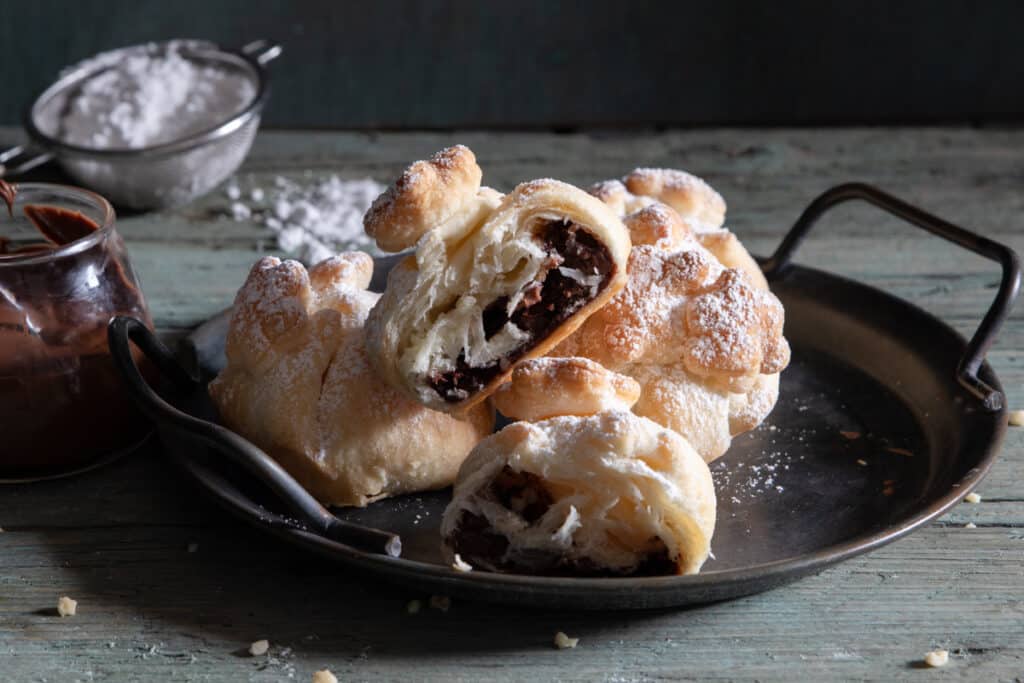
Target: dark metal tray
[(794, 496)]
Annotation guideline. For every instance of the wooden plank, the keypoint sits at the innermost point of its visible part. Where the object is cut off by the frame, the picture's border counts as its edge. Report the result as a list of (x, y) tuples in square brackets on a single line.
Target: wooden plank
[(148, 607)]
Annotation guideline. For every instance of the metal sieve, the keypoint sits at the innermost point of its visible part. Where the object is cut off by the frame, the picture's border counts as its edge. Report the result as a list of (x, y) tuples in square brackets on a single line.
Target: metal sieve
[(157, 176)]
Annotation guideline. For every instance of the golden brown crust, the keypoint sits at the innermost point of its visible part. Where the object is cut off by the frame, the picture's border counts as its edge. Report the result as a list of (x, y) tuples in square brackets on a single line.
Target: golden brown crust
[(352, 269), (618, 198), (735, 331), (640, 325), (689, 195), (426, 195), (727, 249), (547, 387), (660, 226)]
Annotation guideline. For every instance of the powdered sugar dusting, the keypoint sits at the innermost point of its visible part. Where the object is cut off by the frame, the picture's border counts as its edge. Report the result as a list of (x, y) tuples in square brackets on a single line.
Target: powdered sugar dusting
[(312, 220), (273, 300), (735, 329), (151, 94)]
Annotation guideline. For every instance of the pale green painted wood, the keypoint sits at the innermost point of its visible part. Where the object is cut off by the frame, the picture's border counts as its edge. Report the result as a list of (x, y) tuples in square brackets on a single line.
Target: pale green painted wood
[(117, 539)]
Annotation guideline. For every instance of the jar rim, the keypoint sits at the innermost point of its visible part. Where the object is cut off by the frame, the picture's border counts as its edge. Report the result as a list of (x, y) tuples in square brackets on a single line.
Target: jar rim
[(106, 224)]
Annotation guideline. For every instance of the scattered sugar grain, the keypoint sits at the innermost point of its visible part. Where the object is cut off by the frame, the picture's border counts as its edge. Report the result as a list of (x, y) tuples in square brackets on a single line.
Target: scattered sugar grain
[(970, 525), (972, 498), (66, 607), (937, 658), (193, 547), (259, 648), (240, 211), (564, 642), (461, 565)]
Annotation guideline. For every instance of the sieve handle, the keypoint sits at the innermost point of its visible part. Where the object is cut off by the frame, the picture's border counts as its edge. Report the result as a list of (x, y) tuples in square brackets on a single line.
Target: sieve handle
[(262, 51), (21, 159)]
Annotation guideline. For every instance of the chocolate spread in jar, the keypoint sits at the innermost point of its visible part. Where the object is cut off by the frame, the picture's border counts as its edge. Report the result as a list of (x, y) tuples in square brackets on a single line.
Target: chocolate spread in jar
[(61, 402)]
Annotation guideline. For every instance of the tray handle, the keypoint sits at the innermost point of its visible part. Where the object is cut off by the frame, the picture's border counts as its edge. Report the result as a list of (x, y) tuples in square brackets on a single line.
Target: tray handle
[(1009, 285), (123, 329)]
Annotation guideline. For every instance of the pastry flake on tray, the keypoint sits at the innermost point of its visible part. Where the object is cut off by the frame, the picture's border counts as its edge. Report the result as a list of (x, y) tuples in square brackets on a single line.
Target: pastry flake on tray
[(298, 384), (498, 280), (608, 493)]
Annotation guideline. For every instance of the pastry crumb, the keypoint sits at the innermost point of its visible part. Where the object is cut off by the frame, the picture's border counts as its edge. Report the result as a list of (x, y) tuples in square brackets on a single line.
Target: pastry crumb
[(852, 436), (900, 451), (413, 607), (441, 602), (66, 607), (461, 565), (1016, 418), (970, 525), (259, 647), (324, 676), (563, 642), (937, 658), (862, 462), (972, 498)]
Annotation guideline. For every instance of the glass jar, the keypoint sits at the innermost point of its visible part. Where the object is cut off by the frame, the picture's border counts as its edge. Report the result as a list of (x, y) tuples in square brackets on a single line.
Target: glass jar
[(64, 273)]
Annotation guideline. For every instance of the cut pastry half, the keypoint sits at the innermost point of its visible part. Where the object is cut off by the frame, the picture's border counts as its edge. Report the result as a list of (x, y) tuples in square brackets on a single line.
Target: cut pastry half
[(612, 494), (603, 494), (517, 275)]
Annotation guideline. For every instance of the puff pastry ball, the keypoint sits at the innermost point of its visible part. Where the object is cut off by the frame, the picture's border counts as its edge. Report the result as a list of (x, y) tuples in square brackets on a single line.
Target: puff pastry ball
[(704, 340), (298, 384), (605, 494)]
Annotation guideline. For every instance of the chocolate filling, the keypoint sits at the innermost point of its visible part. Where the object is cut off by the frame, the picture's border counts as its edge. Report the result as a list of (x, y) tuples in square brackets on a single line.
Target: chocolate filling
[(524, 493), (546, 303)]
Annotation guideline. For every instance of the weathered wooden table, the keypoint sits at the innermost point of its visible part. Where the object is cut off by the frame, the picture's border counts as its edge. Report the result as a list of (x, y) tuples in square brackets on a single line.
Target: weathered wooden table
[(118, 539)]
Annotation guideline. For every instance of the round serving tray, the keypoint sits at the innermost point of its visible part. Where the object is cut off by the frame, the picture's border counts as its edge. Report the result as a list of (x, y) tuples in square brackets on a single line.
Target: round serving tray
[(884, 422)]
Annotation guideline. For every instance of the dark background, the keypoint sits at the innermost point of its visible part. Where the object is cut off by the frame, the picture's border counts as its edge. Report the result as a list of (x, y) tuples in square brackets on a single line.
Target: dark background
[(465, 63)]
